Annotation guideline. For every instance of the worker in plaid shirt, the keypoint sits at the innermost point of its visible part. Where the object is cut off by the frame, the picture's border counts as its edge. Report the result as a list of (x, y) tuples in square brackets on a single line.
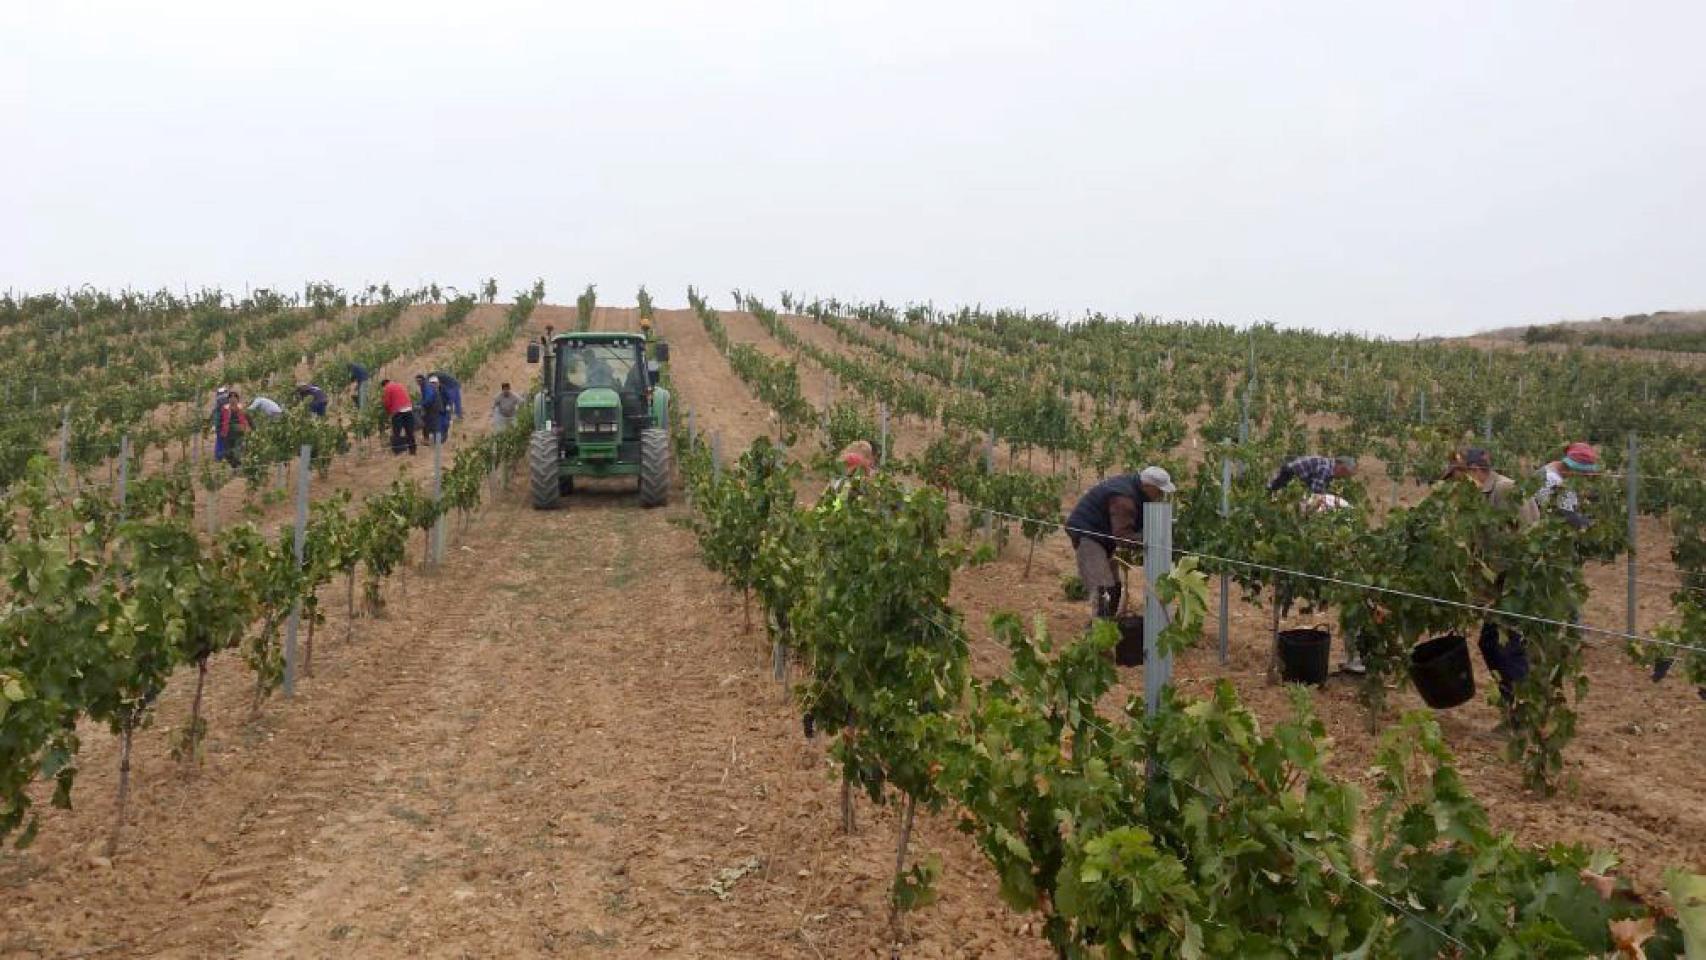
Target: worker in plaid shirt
[(1314, 472)]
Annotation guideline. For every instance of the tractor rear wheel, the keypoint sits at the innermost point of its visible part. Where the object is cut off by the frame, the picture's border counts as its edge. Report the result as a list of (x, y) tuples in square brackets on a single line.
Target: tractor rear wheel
[(543, 467), (654, 467)]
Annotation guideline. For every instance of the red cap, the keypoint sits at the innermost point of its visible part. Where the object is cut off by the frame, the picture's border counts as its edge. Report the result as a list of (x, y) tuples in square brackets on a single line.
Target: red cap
[(1581, 456)]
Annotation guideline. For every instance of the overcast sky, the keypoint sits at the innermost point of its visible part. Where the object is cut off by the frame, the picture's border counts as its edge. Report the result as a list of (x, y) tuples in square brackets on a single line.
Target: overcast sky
[(1440, 168)]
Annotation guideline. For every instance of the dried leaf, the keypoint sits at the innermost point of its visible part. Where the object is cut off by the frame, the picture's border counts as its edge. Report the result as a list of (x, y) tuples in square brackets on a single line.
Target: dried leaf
[(1628, 936), (1603, 885)]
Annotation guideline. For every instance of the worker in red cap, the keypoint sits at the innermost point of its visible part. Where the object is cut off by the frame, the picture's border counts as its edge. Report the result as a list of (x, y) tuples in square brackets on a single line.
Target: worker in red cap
[(1579, 460), (857, 459)]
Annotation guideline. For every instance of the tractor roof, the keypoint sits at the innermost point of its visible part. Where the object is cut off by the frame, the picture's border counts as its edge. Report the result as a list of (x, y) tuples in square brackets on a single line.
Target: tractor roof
[(590, 336)]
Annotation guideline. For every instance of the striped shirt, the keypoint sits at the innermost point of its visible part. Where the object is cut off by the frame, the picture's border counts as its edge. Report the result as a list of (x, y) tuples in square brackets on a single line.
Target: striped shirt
[(1313, 472)]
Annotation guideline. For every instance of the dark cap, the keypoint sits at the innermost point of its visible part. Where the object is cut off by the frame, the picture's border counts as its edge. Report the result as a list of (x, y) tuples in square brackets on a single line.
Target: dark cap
[(1474, 458)]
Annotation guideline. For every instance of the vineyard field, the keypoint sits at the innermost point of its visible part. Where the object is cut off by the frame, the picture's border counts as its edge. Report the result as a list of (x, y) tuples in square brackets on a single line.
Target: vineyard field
[(566, 739), (1639, 781)]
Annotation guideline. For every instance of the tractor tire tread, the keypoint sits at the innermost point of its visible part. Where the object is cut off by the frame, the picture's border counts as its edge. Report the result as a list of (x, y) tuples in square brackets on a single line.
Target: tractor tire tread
[(543, 466), (654, 467)]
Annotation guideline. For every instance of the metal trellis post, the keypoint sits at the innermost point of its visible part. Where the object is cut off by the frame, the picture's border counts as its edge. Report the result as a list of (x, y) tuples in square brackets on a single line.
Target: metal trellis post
[(64, 440), (123, 473), (301, 544), (1157, 563), (1634, 512), (883, 442), (1225, 577), (436, 553)]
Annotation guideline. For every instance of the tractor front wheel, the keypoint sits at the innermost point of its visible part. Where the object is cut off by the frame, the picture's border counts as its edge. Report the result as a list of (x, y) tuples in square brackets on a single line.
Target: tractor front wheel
[(654, 467), (543, 467)]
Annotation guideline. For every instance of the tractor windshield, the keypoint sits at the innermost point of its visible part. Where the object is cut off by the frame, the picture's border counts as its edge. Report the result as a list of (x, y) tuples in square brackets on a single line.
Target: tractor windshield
[(613, 365)]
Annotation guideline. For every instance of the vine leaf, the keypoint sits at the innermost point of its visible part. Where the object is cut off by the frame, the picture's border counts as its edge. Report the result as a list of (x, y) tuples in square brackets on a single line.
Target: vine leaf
[(1688, 894)]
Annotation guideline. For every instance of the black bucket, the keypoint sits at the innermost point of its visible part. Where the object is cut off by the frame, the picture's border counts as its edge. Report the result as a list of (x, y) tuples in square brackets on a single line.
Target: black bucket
[(1303, 655), (1129, 651), (1441, 671)]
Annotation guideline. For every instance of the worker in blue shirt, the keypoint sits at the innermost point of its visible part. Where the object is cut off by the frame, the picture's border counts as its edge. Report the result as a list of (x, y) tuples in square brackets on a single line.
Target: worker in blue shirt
[(452, 392), (315, 396)]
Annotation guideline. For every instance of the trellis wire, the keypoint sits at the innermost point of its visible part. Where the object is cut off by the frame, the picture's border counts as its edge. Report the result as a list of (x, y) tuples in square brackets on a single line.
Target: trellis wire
[(1390, 591)]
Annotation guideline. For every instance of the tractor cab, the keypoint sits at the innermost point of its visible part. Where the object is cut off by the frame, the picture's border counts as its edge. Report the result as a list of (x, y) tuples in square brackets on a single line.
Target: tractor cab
[(600, 407)]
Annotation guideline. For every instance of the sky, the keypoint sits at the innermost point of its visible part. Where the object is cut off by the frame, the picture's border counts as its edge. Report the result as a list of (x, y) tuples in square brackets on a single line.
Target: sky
[(1395, 169)]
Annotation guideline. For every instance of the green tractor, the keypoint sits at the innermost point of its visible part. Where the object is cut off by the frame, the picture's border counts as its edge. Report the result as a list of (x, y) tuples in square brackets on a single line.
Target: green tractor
[(599, 413)]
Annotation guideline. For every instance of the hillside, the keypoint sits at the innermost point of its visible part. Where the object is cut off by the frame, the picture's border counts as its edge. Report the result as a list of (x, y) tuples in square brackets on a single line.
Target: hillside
[(1678, 330)]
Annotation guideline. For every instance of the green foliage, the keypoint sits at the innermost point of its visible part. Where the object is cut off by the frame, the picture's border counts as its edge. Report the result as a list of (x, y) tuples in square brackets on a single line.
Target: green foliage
[(1194, 833), (1434, 849), (49, 637), (883, 647), (1688, 894), (774, 380), (735, 511), (1183, 593), (382, 533), (1237, 842), (844, 423), (1017, 494), (915, 887), (584, 306)]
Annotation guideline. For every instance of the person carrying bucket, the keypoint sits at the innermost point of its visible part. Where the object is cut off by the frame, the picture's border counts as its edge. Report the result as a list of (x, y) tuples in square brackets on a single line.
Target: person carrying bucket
[(1502, 648), (1316, 504)]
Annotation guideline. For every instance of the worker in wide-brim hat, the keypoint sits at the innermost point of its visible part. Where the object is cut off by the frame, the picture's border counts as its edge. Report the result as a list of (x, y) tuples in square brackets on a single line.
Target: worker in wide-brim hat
[(1556, 493)]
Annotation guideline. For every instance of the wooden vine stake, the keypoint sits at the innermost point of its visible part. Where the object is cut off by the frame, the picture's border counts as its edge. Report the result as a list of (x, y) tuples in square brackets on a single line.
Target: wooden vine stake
[(900, 864)]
